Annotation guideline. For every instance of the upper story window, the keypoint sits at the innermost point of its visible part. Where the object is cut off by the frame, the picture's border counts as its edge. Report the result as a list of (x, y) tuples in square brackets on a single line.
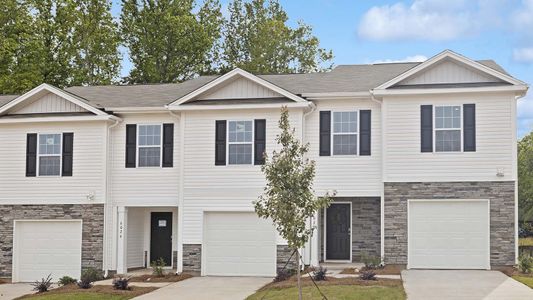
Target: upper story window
[(49, 154), (149, 145), (344, 133), (448, 128), (240, 142)]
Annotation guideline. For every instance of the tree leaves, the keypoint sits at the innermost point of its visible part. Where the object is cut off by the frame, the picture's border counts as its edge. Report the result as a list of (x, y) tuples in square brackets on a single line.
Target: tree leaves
[(525, 177), (288, 198)]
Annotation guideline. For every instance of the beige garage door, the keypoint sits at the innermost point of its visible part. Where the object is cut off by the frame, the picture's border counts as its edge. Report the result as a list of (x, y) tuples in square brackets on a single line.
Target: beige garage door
[(238, 244), (448, 234), (46, 247)]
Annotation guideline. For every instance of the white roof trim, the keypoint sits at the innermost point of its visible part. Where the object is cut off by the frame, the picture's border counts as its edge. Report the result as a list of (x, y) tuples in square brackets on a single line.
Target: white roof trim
[(450, 54), (54, 90), (519, 89), (240, 106), (230, 75), (59, 119)]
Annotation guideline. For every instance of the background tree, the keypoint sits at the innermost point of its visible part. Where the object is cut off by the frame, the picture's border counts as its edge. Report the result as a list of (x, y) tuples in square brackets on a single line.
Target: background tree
[(288, 198), (167, 40), (258, 39), (525, 177)]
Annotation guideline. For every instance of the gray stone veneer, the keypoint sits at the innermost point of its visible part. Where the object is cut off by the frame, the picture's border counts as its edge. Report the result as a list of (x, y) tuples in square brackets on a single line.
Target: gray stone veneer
[(502, 220), (92, 216), (192, 257), (366, 232), (283, 254)]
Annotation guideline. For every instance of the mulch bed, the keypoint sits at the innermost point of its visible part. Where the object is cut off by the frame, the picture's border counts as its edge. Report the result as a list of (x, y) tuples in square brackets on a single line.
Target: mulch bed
[(306, 281), (386, 270), (167, 278), (511, 271), (4, 280), (104, 289)]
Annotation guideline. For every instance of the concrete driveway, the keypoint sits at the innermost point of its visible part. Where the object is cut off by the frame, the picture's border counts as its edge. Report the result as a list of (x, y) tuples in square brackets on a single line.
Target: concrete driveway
[(462, 284), (14, 290), (209, 288)]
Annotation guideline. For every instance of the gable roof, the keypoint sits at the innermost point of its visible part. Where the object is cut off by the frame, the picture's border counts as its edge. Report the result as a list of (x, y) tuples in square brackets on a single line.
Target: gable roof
[(44, 89), (448, 54), (342, 79)]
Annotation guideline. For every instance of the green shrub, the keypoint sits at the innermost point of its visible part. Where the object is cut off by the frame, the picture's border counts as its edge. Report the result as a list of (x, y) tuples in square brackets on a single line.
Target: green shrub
[(368, 275), (65, 280), (320, 274), (88, 276), (121, 283), (157, 267), (371, 262), (525, 263)]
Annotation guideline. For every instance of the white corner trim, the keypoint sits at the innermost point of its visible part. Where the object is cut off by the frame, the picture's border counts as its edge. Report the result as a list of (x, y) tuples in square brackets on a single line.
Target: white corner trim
[(230, 75), (453, 55), (51, 89)]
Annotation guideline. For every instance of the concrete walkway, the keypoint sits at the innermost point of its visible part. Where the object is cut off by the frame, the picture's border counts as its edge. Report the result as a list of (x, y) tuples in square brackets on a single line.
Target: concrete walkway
[(462, 284), (14, 290), (209, 288)]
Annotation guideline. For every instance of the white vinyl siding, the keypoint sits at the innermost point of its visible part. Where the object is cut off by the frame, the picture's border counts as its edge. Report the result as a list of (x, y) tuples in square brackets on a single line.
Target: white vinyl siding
[(350, 175), (88, 160), (495, 140), (241, 88), (49, 154), (49, 103)]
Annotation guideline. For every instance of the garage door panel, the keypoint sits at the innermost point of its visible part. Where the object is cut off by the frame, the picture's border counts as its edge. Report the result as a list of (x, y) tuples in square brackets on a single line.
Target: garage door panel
[(238, 243), (448, 234), (47, 247)]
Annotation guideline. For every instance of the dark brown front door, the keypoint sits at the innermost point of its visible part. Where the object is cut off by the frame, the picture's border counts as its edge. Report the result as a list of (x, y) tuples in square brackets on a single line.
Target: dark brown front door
[(338, 231), (161, 237)]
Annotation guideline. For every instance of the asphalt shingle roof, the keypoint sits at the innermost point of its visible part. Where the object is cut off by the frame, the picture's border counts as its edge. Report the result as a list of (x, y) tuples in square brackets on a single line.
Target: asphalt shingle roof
[(343, 78)]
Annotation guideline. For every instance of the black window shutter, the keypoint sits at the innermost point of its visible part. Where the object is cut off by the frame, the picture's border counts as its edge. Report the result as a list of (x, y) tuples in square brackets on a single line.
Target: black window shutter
[(325, 133), (426, 128), (131, 145), (469, 127), (364, 132), (31, 155), (68, 145), (259, 142), (168, 145), (220, 143)]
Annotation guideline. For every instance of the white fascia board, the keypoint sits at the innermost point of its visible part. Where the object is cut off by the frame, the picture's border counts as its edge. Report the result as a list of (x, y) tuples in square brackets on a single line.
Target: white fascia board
[(54, 90), (60, 119), (457, 57), (519, 89), (336, 95), (239, 106), (230, 75), (151, 109)]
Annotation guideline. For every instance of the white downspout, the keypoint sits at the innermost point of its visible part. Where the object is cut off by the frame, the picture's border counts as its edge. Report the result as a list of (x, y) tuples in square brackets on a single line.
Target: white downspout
[(382, 192), (109, 161), (181, 122), (312, 221)]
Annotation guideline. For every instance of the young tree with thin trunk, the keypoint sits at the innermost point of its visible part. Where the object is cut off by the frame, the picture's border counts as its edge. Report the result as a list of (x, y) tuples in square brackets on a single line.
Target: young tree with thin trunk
[(288, 199)]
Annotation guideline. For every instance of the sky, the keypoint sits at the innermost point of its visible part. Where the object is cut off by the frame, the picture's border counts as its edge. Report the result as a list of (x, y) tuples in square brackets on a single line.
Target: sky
[(361, 31)]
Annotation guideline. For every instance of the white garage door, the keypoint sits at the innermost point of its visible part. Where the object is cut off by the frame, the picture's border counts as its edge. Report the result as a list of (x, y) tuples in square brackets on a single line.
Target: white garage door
[(46, 247), (449, 234), (238, 244)]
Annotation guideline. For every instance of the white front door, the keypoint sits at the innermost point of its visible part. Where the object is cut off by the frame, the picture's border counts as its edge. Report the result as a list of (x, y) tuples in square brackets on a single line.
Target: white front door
[(46, 247), (448, 234), (238, 244)]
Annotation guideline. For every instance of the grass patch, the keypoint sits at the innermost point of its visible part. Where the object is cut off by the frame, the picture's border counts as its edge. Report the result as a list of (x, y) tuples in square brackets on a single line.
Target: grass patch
[(172, 277), (73, 292), (527, 280), (333, 288), (345, 292), (525, 241)]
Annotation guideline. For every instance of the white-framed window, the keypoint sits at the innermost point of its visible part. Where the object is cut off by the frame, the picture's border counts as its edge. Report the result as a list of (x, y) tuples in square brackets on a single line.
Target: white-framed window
[(448, 128), (49, 154), (344, 133), (240, 142), (149, 141)]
